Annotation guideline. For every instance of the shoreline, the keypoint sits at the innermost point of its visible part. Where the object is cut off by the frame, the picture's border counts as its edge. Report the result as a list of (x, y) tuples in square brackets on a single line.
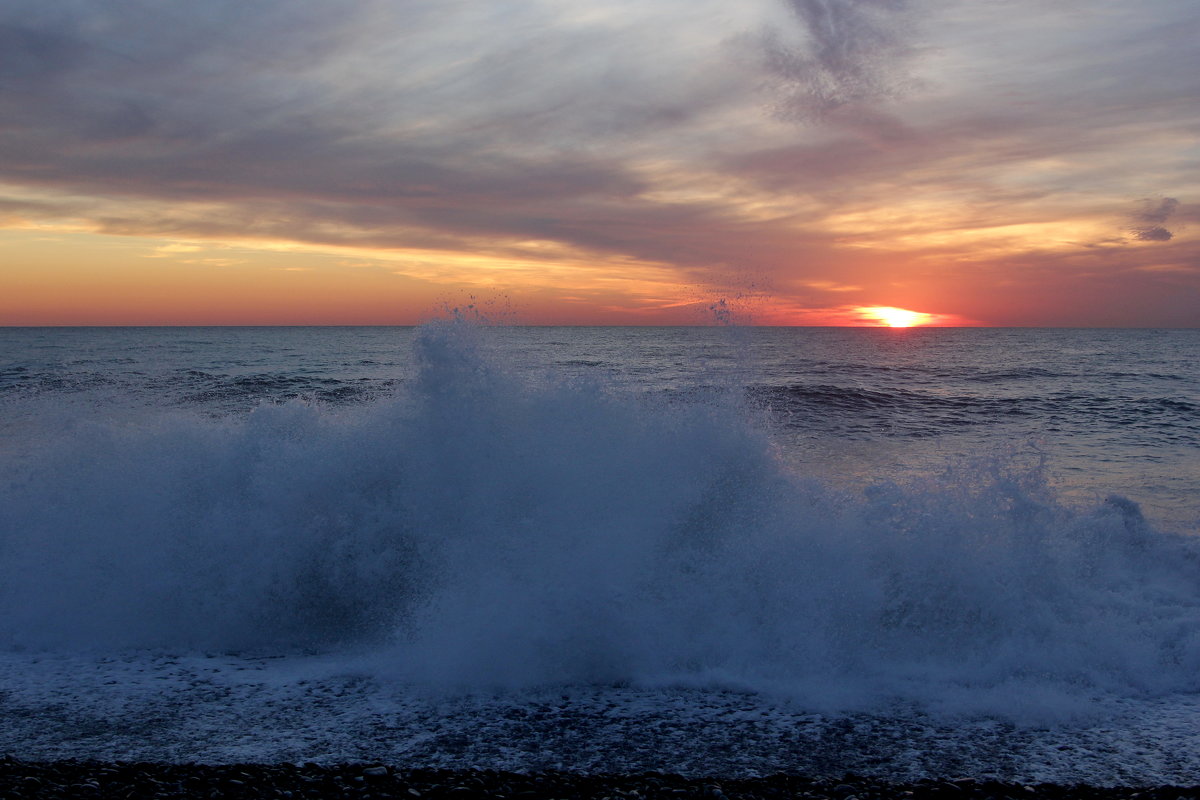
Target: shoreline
[(125, 779)]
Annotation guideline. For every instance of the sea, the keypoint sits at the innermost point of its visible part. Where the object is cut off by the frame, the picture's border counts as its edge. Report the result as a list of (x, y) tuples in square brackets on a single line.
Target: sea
[(724, 550)]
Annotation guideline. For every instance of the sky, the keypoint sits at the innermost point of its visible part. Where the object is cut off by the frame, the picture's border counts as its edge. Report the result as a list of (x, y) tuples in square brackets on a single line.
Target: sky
[(802, 162)]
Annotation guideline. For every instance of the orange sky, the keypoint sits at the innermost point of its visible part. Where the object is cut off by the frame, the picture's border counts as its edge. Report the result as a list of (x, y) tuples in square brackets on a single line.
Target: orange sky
[(1014, 164)]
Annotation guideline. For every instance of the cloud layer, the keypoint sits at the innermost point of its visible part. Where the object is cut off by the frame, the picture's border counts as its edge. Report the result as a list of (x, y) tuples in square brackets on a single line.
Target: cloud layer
[(920, 153)]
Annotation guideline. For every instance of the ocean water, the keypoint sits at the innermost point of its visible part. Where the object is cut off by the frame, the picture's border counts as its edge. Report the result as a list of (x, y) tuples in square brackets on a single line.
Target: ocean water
[(707, 550)]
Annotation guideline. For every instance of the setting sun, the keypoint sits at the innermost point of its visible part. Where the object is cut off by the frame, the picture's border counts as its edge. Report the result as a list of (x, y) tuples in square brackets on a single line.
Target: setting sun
[(895, 317)]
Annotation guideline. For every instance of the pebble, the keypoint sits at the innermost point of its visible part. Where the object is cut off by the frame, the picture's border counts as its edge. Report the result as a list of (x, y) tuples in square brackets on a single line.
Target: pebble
[(74, 779)]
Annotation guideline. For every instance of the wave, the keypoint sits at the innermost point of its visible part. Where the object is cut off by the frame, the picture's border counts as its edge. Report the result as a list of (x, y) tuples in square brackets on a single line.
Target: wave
[(899, 412), (972, 374), (476, 530), (218, 392)]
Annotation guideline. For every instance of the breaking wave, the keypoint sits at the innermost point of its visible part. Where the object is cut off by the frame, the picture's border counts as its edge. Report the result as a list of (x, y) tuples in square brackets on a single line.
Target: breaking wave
[(478, 530)]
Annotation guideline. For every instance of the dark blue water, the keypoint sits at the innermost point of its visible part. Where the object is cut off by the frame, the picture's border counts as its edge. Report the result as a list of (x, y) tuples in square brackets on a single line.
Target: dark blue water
[(1110, 410)]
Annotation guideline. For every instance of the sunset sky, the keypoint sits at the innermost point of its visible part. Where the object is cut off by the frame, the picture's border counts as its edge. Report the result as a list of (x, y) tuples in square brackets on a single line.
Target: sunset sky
[(1009, 162)]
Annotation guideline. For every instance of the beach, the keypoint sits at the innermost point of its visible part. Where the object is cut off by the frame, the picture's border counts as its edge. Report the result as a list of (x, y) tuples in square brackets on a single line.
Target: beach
[(89, 779)]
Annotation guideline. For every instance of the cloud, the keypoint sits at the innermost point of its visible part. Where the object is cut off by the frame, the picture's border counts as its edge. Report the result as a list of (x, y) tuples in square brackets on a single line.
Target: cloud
[(418, 123), (1152, 213), (1152, 234), (854, 52), (628, 134), (1158, 210)]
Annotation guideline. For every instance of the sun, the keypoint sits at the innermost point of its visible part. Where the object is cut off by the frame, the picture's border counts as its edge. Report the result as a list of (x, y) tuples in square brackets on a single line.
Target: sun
[(895, 317)]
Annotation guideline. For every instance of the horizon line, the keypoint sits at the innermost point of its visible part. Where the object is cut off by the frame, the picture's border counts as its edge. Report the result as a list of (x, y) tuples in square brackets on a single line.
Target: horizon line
[(500, 324)]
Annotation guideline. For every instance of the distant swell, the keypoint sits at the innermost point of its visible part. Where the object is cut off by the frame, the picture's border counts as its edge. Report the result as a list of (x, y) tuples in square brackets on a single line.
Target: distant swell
[(907, 412), (478, 531), (217, 391)]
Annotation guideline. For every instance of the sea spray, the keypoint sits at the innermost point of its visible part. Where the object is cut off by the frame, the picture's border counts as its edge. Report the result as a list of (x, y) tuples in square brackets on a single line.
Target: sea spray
[(480, 530)]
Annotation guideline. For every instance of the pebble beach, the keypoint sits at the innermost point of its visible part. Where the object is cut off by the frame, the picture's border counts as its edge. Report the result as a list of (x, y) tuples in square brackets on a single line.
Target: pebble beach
[(92, 779)]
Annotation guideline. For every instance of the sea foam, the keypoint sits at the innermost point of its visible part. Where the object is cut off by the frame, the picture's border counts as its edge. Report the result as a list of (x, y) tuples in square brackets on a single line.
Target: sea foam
[(480, 530)]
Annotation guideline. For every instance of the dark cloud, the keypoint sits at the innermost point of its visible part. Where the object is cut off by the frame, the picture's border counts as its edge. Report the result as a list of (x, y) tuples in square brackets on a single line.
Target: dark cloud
[(1152, 234), (854, 52), (1152, 212)]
